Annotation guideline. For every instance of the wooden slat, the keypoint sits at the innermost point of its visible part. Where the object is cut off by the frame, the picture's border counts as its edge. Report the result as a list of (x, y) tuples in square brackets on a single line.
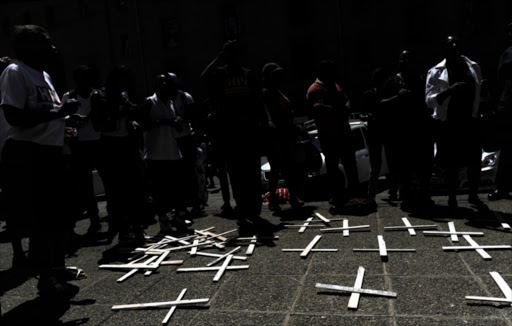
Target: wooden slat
[(382, 246), (353, 302), (223, 268), (166, 304), (173, 308), (310, 246), (451, 227), (481, 252)]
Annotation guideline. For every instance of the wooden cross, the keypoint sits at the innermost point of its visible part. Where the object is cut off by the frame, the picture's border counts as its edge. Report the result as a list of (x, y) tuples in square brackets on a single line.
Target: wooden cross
[(169, 304), (309, 248), (409, 227), (253, 241), (220, 270), (475, 246), (345, 228), (503, 287), (356, 290), (307, 223), (452, 232), (383, 251)]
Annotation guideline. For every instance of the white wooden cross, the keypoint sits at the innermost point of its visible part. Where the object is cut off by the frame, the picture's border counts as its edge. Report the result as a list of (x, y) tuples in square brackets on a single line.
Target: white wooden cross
[(475, 246), (220, 270), (307, 223), (309, 248), (452, 232), (356, 289), (346, 228), (503, 287), (409, 227), (253, 241), (383, 251), (169, 304)]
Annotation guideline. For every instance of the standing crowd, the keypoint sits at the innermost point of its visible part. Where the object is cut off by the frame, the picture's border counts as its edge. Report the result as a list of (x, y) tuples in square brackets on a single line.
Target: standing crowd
[(153, 158)]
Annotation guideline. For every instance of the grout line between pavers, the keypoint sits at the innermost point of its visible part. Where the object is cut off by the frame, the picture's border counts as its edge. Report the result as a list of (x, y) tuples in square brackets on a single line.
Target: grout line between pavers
[(387, 279), (298, 293)]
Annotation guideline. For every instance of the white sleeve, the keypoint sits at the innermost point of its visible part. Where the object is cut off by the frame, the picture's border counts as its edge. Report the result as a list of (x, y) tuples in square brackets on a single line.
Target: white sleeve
[(432, 88), (13, 88), (189, 98)]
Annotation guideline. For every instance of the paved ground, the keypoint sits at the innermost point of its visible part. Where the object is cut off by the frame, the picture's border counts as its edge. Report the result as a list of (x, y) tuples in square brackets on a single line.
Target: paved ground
[(279, 287)]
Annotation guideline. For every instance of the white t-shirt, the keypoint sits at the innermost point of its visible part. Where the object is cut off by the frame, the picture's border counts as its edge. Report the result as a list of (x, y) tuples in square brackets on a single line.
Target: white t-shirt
[(86, 132), (25, 88), (160, 141), (180, 104)]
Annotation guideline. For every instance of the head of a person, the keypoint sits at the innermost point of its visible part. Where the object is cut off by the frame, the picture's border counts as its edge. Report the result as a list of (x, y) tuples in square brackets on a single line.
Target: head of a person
[(407, 63), (452, 46), (162, 85), (118, 79), (83, 77), (272, 74), (378, 77), (33, 45), (327, 71)]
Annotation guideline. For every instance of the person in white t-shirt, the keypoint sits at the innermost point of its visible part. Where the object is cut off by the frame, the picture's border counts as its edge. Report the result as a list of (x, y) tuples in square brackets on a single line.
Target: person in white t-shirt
[(163, 156), (84, 149), (32, 156)]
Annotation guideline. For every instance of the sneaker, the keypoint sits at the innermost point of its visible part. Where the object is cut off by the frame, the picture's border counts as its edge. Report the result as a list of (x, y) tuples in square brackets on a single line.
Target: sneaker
[(95, 225)]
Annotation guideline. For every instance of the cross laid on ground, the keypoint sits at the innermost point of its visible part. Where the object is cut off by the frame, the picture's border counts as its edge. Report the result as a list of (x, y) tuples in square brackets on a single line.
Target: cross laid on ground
[(253, 241), (503, 287), (307, 223), (409, 227), (346, 228), (475, 246), (383, 251), (220, 270), (356, 290), (309, 248), (452, 233), (168, 304)]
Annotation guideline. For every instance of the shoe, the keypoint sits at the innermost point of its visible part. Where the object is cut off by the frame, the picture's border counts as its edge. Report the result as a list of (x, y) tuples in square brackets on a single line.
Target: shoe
[(498, 194), (336, 210), (52, 289), (165, 225), (226, 209), (393, 197), (477, 202), (245, 228)]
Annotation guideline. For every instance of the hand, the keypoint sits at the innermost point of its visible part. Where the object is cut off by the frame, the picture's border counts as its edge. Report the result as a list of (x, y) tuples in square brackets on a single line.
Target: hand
[(228, 45), (69, 107), (404, 92), (76, 120), (458, 87)]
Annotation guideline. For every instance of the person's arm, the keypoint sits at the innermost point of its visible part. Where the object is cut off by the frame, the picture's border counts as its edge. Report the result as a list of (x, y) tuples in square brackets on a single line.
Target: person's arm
[(215, 62), (30, 118)]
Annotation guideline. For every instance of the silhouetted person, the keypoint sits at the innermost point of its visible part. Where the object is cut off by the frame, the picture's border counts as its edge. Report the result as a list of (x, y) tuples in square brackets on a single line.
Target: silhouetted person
[(34, 182), (374, 115), (163, 156), (331, 114), (84, 149), (280, 138), (408, 131), (503, 182), (235, 93), (453, 91), (184, 109), (119, 159)]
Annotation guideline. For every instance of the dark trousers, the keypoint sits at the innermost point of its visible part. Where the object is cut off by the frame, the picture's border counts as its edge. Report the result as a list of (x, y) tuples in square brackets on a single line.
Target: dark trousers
[(83, 161), (243, 162), (166, 184), (121, 169), (37, 202), (190, 185), (336, 150)]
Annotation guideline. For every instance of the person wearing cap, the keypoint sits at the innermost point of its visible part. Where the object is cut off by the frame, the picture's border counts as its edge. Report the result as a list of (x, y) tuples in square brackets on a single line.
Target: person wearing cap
[(453, 91), (280, 136)]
